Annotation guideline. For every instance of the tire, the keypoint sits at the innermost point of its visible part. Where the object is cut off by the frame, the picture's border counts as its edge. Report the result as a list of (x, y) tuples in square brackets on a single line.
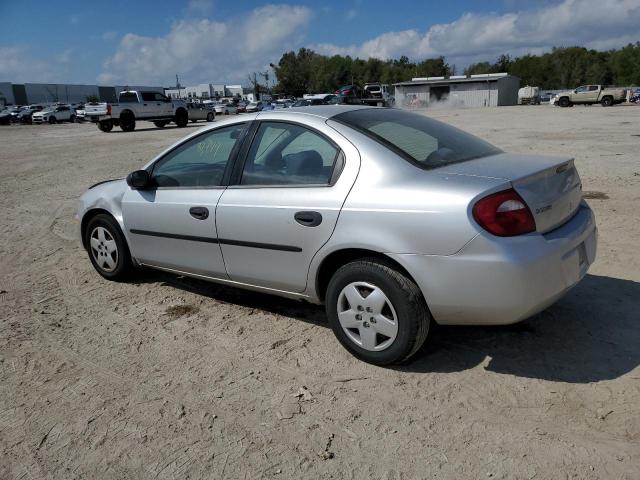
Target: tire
[(210, 117), (105, 126), (52, 120), (564, 102), (108, 249), (226, 112), (72, 119), (401, 299), (607, 101), (160, 124), (193, 121), (127, 122), (182, 118)]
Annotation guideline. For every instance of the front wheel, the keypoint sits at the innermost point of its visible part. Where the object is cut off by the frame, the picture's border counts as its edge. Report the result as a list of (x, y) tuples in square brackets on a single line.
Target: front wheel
[(377, 312), (210, 117), (107, 248), (160, 124), (564, 102), (52, 120), (105, 126)]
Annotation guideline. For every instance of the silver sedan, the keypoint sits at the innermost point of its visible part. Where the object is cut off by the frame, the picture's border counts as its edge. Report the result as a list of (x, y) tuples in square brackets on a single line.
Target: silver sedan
[(390, 219)]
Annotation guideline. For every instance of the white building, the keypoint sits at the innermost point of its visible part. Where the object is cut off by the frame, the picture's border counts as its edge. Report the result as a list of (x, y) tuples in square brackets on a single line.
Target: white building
[(491, 90)]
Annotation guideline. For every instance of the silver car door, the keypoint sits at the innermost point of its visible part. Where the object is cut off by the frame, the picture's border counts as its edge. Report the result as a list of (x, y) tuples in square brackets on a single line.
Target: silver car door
[(173, 225), (286, 202)]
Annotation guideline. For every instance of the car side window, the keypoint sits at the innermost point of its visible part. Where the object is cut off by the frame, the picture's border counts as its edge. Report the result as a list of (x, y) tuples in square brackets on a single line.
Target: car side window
[(288, 154), (581, 89), (199, 162)]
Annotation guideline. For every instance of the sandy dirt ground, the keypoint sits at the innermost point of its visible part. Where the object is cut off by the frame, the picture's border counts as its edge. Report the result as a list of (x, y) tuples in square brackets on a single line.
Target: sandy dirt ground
[(171, 378)]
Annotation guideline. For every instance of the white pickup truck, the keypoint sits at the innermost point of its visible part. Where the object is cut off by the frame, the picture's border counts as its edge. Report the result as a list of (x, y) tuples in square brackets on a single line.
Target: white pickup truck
[(151, 106)]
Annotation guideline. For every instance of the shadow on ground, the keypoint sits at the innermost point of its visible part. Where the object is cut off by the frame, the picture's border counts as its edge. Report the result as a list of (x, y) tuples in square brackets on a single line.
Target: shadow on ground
[(592, 334)]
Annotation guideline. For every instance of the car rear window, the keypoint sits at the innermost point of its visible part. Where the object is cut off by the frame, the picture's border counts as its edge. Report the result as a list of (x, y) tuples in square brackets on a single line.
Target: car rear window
[(421, 140), (128, 97)]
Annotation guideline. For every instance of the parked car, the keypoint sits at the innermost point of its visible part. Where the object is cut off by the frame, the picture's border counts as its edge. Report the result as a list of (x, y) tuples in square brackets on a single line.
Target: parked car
[(55, 114), (225, 108), (25, 116), (201, 111), (241, 107), (94, 110), (283, 103), (377, 94), (11, 114), (151, 106), (255, 107), (310, 102), (592, 94), (350, 91), (5, 116), (390, 219), (547, 97), (80, 113)]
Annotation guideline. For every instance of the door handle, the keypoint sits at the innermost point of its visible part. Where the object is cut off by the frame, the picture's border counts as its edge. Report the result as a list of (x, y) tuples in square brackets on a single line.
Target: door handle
[(308, 219), (144, 104), (199, 213)]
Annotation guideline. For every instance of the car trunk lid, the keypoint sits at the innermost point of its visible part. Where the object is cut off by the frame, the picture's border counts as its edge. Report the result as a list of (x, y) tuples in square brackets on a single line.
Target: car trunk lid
[(550, 186)]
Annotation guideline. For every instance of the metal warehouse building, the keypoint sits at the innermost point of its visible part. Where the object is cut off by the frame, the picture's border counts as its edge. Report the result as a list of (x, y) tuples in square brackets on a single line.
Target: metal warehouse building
[(29, 93), (491, 90)]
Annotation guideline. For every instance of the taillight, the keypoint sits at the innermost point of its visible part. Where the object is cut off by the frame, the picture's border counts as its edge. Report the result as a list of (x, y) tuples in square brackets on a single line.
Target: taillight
[(108, 109), (504, 214)]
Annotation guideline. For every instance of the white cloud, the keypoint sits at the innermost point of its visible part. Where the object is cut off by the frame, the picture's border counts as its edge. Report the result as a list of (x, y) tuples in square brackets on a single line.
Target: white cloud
[(207, 50), (597, 24), (199, 7), (18, 65)]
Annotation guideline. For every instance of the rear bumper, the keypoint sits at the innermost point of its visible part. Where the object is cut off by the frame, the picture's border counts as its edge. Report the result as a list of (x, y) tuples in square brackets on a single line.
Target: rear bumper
[(494, 281)]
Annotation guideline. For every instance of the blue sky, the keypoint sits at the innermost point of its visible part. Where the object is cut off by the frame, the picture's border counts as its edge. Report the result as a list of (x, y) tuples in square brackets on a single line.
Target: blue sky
[(211, 40)]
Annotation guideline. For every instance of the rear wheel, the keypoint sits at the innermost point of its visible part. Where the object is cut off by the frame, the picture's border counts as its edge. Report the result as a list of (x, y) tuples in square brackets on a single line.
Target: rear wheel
[(210, 117), (108, 249), (160, 124), (127, 122), (72, 119), (105, 125), (607, 101), (377, 312), (182, 118)]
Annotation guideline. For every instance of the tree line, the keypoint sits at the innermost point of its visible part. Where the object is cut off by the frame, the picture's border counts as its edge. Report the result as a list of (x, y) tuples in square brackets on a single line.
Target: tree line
[(307, 71)]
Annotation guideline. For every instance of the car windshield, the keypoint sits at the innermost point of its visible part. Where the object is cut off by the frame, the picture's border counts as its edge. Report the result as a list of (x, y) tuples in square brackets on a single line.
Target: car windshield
[(421, 140)]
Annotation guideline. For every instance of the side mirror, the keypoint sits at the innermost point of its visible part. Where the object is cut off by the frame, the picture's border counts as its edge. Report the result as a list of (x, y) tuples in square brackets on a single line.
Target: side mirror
[(139, 180)]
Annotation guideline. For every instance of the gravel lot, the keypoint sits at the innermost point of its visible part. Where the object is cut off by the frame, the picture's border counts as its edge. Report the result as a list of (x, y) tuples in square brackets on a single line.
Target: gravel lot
[(175, 378)]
